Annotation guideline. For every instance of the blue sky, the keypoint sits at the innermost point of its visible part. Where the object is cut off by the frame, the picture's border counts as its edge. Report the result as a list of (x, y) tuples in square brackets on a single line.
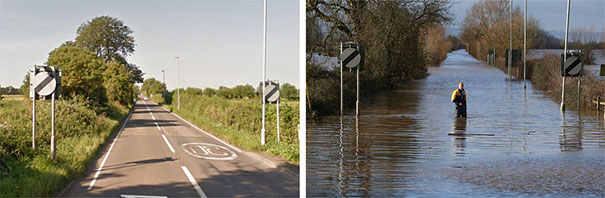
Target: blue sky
[(218, 42), (551, 13)]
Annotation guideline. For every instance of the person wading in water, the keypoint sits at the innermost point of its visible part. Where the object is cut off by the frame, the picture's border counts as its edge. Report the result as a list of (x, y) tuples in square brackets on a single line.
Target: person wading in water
[(459, 98)]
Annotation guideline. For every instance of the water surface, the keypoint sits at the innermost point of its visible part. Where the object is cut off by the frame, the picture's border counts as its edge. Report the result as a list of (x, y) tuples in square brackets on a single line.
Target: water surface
[(400, 145)]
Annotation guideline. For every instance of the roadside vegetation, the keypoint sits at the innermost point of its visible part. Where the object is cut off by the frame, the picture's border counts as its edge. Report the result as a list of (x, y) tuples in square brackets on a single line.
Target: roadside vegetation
[(97, 93), (398, 40), (546, 76), (234, 115), (486, 26)]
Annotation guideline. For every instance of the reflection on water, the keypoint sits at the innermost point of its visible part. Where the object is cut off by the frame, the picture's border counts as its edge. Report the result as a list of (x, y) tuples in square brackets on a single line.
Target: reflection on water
[(459, 128), (400, 145)]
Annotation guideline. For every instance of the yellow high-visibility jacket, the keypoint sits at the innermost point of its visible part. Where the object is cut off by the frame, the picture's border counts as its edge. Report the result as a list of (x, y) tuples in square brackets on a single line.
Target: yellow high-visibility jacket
[(458, 97)]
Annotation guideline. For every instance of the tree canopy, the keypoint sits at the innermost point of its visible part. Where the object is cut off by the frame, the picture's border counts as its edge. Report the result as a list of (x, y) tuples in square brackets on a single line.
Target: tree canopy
[(288, 92), (487, 26), (111, 40), (152, 86), (82, 73)]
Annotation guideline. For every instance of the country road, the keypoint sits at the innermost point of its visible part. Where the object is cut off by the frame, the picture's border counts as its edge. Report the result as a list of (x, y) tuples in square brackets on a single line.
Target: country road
[(156, 153)]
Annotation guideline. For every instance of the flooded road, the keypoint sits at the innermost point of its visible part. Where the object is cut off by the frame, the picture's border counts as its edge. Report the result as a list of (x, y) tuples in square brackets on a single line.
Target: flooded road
[(517, 143)]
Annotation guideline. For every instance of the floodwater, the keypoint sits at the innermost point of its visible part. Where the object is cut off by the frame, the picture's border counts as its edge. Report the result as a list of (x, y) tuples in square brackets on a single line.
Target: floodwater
[(517, 142)]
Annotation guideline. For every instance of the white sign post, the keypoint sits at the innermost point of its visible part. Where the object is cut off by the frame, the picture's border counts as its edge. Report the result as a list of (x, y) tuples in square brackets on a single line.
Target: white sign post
[(271, 94), (45, 81)]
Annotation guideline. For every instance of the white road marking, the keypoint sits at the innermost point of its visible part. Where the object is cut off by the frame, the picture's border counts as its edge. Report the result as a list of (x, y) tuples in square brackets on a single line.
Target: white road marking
[(158, 126), (94, 179), (168, 143), (152, 117), (212, 136), (142, 196), (209, 151), (202, 149), (227, 154), (193, 182)]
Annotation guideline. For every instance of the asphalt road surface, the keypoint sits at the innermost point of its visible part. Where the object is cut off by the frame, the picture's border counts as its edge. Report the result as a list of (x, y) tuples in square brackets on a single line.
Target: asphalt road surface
[(158, 154)]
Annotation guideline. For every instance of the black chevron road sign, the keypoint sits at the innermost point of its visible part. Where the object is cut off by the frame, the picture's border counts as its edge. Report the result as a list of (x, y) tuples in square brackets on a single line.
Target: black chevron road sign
[(350, 57), (573, 66), (271, 91), (45, 81)]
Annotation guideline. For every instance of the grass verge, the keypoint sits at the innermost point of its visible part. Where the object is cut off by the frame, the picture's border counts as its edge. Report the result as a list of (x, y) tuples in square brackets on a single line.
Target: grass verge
[(238, 121), (79, 133)]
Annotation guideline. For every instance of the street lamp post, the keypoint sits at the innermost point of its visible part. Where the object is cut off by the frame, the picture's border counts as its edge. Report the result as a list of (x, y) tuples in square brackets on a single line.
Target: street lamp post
[(510, 51), (164, 81), (178, 84), (525, 47), (262, 137), (565, 58)]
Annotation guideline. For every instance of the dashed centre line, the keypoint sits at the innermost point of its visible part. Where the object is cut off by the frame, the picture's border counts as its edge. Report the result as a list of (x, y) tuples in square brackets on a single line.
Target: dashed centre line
[(168, 143), (193, 182)]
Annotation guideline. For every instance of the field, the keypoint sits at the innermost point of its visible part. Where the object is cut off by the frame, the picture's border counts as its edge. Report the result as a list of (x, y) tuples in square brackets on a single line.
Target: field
[(13, 97)]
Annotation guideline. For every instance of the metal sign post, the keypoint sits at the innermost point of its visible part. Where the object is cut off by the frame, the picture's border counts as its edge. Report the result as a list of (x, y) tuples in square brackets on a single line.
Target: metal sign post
[(579, 87), (45, 81), (341, 86), (277, 108), (52, 136), (349, 57), (272, 95), (573, 66), (33, 96), (357, 103)]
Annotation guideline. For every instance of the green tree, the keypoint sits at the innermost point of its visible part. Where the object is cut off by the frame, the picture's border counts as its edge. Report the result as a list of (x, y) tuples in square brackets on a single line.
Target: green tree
[(25, 86), (209, 91), (224, 92), (194, 91), (117, 83), (152, 86), (82, 74), (243, 91), (110, 39), (288, 92)]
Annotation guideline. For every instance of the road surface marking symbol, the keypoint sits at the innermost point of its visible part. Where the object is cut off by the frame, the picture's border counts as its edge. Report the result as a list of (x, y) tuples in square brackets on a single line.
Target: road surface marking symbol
[(210, 151), (94, 179), (212, 136), (193, 182), (168, 143), (158, 126), (142, 196), (205, 151)]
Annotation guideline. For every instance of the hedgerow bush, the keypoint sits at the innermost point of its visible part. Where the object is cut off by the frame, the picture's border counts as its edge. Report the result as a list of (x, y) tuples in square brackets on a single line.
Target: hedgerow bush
[(79, 132), (239, 121)]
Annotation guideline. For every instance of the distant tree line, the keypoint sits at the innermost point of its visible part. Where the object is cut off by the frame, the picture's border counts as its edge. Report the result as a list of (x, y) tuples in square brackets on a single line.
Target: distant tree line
[(94, 67), (152, 86), (393, 38), (487, 26), (10, 90)]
